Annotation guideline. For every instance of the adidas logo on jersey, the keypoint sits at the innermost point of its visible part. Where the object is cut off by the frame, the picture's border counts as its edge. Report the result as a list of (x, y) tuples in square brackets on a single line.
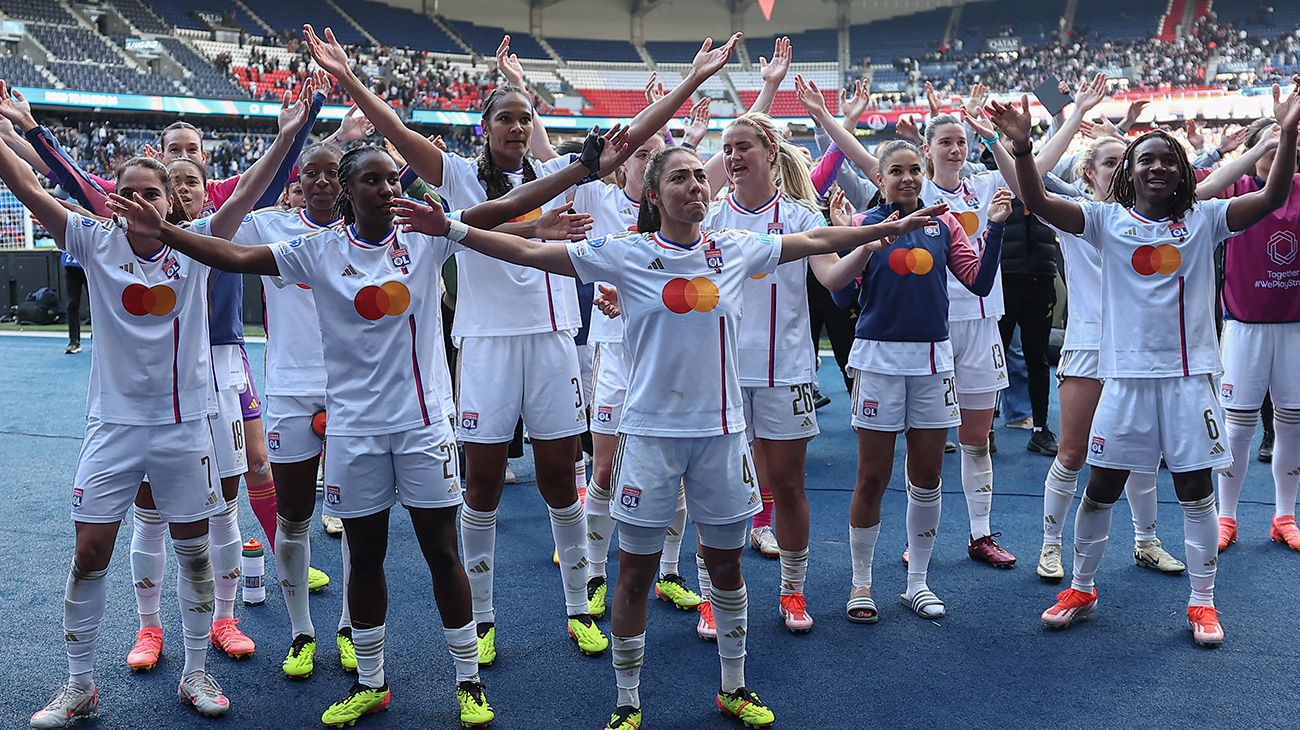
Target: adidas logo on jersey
[(807, 422), (351, 271), (1132, 231), (656, 265), (128, 268), (1216, 449)]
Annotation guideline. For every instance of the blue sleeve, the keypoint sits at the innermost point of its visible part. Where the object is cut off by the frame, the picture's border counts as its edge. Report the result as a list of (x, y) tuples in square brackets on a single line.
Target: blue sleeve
[(272, 193), (65, 172), (408, 177), (848, 296), (990, 260)]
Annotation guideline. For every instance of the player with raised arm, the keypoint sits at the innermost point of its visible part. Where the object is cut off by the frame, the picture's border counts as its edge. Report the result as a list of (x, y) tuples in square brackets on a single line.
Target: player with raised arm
[(1159, 353)]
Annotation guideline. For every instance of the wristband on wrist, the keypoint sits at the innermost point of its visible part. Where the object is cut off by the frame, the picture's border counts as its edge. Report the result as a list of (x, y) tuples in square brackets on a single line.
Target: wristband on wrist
[(687, 145), (990, 142), (456, 230), (1021, 153)]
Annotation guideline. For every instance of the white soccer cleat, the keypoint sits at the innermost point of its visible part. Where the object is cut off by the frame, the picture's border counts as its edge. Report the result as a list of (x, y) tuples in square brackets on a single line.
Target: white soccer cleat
[(67, 704), (763, 540), (1151, 554), (202, 691), (1049, 563), (333, 525)]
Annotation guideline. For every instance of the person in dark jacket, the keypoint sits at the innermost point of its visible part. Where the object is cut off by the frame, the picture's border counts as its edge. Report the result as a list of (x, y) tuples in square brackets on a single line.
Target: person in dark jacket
[(76, 280)]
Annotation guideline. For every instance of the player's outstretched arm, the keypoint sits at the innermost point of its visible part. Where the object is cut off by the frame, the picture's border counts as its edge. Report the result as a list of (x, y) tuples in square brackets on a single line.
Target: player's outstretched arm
[(1015, 123), (20, 179), (428, 218), (1230, 172), (828, 239), (708, 61), (142, 221), (1246, 210), (813, 102), (420, 153)]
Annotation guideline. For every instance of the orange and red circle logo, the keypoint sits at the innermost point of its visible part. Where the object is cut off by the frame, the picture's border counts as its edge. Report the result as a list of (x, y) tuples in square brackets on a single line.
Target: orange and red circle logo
[(906, 261), (686, 295), (970, 221), (389, 299), (1152, 260), (140, 300)]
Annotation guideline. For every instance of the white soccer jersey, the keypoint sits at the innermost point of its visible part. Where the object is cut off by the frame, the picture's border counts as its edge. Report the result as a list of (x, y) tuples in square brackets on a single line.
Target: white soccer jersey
[(1157, 288), (495, 298), (683, 305), (1083, 282), (969, 204), (775, 347), (151, 364), (379, 306), (612, 212)]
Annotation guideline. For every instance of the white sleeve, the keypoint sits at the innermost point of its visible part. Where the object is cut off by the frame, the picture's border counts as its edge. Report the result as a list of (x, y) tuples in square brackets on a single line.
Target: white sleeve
[(1215, 211), (458, 174), (550, 167), (1096, 218), (295, 262), (82, 236), (762, 253), (599, 259)]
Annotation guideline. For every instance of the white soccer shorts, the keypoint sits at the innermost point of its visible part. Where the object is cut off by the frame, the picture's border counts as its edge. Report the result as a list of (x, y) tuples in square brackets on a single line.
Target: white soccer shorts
[(899, 402), (228, 434), (1138, 420), (612, 366), (1079, 364), (365, 475), (290, 437), (1259, 359), (780, 413), (178, 459), (536, 376), (718, 471), (977, 355)]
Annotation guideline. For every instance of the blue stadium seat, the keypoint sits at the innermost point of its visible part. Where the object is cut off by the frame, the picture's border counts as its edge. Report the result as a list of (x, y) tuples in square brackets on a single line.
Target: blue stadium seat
[(484, 39), (592, 49), (400, 27)]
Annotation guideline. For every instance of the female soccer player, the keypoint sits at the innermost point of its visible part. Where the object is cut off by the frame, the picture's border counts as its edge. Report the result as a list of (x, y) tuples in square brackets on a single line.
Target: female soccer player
[(1261, 337), (514, 327), (902, 363), (1158, 348), (388, 440), (681, 291), (151, 396), (1080, 386)]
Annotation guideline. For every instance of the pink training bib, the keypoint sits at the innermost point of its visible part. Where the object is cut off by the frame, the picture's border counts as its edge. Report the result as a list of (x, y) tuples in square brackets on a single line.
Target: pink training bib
[(1262, 264)]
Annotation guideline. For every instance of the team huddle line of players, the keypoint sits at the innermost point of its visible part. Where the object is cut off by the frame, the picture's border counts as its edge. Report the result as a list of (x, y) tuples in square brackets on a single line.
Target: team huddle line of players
[(694, 409)]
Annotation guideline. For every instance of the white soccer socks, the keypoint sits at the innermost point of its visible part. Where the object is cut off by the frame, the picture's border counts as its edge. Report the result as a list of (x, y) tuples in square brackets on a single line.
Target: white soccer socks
[(794, 569), (478, 532), (673, 537), (369, 644), (600, 527), (345, 616), (731, 616), (862, 549), (977, 484), (705, 580), (292, 556), (1286, 460), (463, 645), (1058, 492), (629, 656), (924, 508), (1201, 539), (148, 564), (569, 528), (83, 610), (1091, 531), (1140, 490), (1240, 429), (195, 591), (227, 547)]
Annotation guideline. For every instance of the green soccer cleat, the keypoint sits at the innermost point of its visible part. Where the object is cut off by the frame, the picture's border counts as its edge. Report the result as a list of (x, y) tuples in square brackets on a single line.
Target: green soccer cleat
[(301, 660), (588, 635), (487, 644), (474, 708), (626, 717), (597, 591), (745, 706), (361, 701), (347, 650), (672, 588), (316, 580)]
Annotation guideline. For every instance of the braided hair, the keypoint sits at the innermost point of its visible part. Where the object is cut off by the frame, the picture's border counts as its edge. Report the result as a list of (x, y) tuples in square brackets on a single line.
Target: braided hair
[(1121, 185), (648, 219), (494, 179), (347, 165)]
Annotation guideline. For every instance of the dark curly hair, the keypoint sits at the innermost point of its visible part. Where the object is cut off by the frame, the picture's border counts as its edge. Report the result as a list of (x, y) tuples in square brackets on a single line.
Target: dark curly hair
[(1121, 185), (493, 177)]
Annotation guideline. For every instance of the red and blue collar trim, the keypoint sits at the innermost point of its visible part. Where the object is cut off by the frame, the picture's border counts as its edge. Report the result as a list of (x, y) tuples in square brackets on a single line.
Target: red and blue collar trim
[(1145, 219), (357, 240), (675, 246), (156, 256), (302, 214), (771, 203)]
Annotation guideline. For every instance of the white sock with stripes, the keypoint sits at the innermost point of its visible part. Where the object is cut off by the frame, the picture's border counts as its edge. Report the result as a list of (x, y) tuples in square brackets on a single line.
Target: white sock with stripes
[(924, 507), (227, 547), (369, 644), (463, 645), (292, 556), (1058, 492), (1140, 491), (1201, 539), (977, 484), (731, 616), (629, 656), (148, 564), (1091, 531), (84, 599), (194, 589), (1240, 430), (1286, 460), (569, 528), (478, 534), (673, 538), (600, 527), (702, 572)]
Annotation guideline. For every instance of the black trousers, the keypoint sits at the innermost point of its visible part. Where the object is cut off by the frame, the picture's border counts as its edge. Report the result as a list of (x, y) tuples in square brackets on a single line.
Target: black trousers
[(839, 324), (75, 277), (1030, 301)]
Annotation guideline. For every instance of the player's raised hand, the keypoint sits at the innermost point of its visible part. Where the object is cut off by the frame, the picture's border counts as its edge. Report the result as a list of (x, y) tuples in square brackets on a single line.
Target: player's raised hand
[(327, 52), (906, 129), (840, 210), (1287, 111), (1014, 121), (508, 63), (811, 97), (607, 300), (15, 108), (654, 91), (354, 126), (697, 123), (562, 224), (612, 150), (135, 216), (1000, 206), (710, 60), (413, 216), (854, 104), (1091, 93), (774, 71)]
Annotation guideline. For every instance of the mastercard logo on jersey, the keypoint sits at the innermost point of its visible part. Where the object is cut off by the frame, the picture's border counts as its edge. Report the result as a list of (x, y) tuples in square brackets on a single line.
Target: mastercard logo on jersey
[(389, 299), (970, 221), (1151, 260), (904, 261), (158, 300), (682, 296)]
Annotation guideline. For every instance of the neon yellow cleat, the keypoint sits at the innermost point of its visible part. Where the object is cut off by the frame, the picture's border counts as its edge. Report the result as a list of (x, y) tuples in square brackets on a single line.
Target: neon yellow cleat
[(745, 706), (597, 591), (316, 580), (474, 708), (361, 701), (301, 660), (672, 588), (347, 651), (626, 717), (487, 644), (591, 641)]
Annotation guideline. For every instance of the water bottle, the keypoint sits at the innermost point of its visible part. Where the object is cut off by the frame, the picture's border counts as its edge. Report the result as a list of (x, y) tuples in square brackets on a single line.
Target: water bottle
[(254, 568)]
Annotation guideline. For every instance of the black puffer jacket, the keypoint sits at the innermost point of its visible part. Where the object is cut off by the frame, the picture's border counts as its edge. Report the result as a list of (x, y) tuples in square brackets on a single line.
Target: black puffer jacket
[(1029, 246)]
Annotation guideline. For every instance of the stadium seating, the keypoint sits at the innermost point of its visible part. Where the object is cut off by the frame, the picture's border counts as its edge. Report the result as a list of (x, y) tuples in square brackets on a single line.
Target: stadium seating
[(40, 11), (484, 39), (74, 44), (20, 72), (1119, 19), (905, 36), (206, 81), (812, 45), (289, 15), (111, 78), (750, 83), (400, 27), (141, 16), (675, 51), (591, 49), (184, 13), (1033, 21)]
